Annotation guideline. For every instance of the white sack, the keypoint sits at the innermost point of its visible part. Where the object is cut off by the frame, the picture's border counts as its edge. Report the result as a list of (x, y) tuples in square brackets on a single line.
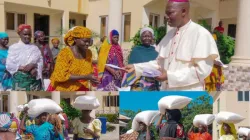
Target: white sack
[(86, 103), (130, 131), (244, 131), (203, 119), (228, 117), (21, 107), (146, 117), (39, 106), (4, 120), (173, 102), (61, 117), (46, 83)]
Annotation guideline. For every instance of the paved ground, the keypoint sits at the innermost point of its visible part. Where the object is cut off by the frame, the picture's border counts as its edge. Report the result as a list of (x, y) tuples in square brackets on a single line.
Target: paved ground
[(109, 135)]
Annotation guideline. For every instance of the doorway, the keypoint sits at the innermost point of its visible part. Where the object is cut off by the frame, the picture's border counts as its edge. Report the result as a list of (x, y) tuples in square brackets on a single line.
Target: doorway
[(4, 99), (42, 23)]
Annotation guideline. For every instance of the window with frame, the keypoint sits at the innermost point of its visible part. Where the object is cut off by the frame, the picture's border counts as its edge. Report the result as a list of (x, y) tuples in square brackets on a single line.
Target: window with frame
[(5, 103), (111, 101), (246, 96), (13, 20), (104, 26), (243, 96), (84, 23), (232, 30), (154, 20), (126, 27), (240, 95), (72, 23)]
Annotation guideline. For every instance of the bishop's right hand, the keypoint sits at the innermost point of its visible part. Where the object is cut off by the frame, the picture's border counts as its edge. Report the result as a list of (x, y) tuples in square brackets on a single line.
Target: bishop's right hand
[(129, 68)]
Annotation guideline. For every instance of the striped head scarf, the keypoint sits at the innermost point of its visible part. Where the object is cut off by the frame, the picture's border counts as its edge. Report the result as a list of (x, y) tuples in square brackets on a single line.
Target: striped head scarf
[(76, 32)]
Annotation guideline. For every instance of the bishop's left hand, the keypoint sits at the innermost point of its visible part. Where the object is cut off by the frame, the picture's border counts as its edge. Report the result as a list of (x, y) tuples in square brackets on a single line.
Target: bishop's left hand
[(163, 76)]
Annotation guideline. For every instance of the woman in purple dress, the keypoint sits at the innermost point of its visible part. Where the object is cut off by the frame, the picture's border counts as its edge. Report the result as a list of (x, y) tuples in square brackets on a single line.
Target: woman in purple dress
[(110, 53)]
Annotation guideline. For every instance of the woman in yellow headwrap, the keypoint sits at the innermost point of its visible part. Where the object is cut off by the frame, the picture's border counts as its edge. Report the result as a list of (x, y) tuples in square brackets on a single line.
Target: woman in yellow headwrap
[(55, 50), (73, 70), (228, 132)]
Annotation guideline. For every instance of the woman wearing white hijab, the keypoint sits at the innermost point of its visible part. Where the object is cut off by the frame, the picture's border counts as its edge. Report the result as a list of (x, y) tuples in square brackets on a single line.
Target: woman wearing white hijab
[(144, 53)]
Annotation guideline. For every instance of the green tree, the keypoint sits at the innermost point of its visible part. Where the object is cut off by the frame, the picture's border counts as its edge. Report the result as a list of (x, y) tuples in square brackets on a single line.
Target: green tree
[(69, 110), (131, 114), (200, 105), (226, 45)]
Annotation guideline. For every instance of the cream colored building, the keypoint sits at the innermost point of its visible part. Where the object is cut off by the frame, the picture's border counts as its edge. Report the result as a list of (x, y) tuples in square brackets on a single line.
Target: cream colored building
[(48, 15), (127, 16), (109, 101), (237, 102)]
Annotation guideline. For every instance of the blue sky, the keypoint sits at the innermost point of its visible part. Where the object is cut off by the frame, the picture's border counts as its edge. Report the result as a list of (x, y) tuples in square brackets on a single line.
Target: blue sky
[(149, 100)]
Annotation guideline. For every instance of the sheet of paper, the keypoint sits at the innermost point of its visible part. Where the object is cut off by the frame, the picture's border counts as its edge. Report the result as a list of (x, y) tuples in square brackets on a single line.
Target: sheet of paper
[(113, 66)]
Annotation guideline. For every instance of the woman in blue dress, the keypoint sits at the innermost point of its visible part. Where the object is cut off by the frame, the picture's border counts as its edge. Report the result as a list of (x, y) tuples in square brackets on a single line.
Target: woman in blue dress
[(42, 130), (5, 76)]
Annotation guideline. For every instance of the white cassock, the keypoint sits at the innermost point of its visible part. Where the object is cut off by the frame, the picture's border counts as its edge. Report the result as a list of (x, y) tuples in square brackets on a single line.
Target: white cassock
[(187, 54)]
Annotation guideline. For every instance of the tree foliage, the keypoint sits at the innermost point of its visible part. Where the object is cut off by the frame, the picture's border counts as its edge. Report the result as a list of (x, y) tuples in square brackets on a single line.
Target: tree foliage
[(200, 105), (226, 45), (70, 111), (131, 114)]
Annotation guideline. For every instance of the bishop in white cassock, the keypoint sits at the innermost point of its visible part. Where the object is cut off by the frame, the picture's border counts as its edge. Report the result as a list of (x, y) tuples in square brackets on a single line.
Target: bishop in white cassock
[(186, 54)]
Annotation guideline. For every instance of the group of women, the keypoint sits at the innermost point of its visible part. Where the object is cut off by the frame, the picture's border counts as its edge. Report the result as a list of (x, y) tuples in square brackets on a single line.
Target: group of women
[(25, 65), (51, 127), (172, 129)]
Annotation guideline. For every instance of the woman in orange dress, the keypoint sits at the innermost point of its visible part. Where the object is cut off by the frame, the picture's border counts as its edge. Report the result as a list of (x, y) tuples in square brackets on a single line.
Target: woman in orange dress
[(73, 69), (201, 135)]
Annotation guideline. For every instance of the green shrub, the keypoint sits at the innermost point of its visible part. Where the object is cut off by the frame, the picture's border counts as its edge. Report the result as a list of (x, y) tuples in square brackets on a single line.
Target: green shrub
[(112, 118), (110, 128), (71, 112), (226, 46)]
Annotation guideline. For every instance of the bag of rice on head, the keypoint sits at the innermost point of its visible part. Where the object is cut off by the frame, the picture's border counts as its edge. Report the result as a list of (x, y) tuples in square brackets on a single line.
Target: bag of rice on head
[(5, 121), (228, 117), (173, 102), (244, 131), (86, 103), (203, 119), (146, 117), (39, 106)]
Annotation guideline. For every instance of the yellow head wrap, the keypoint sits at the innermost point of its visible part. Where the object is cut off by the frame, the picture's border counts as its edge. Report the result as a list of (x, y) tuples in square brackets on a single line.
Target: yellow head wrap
[(232, 128), (76, 32), (54, 40)]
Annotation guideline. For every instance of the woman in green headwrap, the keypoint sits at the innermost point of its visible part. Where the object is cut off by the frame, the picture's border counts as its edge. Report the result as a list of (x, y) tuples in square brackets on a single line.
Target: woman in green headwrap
[(144, 53), (228, 132)]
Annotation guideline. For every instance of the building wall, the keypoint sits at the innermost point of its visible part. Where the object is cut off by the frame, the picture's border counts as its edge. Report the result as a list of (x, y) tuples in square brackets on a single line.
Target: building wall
[(97, 9), (228, 9), (99, 96), (69, 5), (228, 21), (78, 17), (228, 13), (54, 16)]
